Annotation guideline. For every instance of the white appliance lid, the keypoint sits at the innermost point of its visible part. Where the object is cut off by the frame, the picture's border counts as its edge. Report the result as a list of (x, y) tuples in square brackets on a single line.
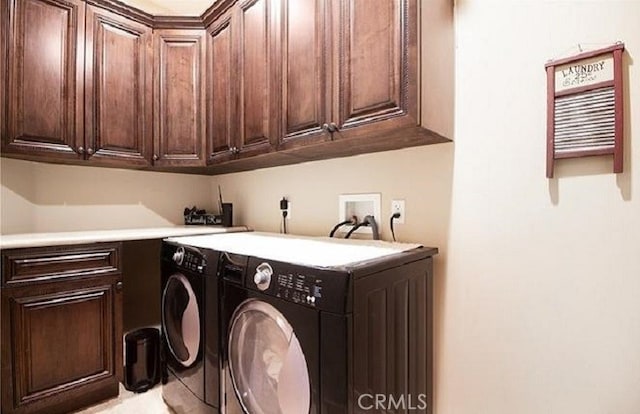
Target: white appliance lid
[(301, 250)]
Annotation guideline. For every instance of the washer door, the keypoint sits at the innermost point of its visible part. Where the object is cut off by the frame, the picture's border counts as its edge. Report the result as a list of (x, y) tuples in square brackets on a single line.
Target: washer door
[(181, 319), (266, 361)]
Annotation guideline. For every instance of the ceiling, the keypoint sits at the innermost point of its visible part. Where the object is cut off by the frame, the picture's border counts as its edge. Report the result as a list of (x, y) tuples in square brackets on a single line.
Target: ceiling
[(171, 7)]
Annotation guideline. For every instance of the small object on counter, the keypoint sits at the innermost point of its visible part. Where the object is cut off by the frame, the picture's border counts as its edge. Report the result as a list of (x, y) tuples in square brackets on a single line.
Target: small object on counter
[(195, 216), (227, 214)]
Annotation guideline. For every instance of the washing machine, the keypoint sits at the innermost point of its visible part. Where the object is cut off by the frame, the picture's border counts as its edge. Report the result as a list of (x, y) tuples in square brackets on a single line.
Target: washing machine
[(270, 345), (189, 331), (323, 326)]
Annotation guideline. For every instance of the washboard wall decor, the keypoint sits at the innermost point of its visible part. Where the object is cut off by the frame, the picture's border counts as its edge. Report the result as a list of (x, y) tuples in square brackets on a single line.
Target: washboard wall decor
[(584, 106)]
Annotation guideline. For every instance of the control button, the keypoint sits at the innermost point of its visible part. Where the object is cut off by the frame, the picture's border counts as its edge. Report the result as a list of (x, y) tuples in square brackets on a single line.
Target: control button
[(313, 299), (262, 278), (317, 291)]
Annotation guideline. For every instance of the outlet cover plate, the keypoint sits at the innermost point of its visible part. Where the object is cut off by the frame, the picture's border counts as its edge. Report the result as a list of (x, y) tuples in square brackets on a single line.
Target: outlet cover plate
[(397, 206)]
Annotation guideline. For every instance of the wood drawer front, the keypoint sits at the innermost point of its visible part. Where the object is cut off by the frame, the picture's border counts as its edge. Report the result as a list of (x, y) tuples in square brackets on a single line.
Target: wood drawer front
[(46, 264)]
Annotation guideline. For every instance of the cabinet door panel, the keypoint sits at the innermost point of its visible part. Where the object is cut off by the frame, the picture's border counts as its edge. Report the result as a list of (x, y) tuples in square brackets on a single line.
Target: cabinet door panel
[(255, 54), (4, 59), (61, 342), (180, 55), (377, 48), (45, 77), (304, 70), (118, 94), (220, 102)]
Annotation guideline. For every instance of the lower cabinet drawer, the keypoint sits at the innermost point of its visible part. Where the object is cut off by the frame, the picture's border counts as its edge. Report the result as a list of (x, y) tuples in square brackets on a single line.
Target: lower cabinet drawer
[(20, 266)]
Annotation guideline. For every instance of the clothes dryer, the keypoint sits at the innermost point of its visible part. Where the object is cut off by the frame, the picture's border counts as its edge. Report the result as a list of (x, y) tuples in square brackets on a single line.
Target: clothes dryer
[(189, 334)]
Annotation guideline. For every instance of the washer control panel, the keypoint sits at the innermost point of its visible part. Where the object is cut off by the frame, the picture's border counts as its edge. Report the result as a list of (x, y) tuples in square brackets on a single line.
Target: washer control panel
[(190, 259), (299, 288), (316, 288)]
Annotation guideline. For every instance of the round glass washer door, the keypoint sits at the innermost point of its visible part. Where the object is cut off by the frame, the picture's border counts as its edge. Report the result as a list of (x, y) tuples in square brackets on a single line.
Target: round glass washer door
[(267, 365), (181, 319)]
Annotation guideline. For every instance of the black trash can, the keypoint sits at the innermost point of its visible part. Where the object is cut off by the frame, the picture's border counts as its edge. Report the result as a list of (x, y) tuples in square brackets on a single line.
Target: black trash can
[(142, 359)]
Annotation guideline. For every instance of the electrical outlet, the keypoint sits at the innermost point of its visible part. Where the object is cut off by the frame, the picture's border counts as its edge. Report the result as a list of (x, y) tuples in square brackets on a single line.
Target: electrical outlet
[(286, 201), (397, 206), (359, 205)]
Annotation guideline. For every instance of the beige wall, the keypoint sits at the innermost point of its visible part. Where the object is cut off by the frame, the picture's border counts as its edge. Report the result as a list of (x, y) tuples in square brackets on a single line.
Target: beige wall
[(541, 309), (39, 197), (422, 176), (437, 65), (17, 197)]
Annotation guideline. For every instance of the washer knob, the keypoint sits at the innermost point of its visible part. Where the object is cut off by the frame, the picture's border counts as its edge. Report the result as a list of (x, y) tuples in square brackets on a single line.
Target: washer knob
[(178, 256), (262, 278)]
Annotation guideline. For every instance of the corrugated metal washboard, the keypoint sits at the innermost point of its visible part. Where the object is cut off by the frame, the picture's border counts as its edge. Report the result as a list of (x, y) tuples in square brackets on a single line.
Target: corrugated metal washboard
[(584, 106)]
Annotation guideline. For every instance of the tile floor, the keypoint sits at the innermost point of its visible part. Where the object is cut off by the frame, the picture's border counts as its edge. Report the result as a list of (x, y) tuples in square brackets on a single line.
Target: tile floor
[(127, 402)]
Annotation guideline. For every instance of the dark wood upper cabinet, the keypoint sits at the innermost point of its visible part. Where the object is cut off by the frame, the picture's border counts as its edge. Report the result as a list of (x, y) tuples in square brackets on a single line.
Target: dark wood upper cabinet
[(179, 101), (376, 84), (348, 73), (258, 128), (118, 89), (305, 88), (242, 99), (4, 59), (269, 82), (221, 86), (43, 97)]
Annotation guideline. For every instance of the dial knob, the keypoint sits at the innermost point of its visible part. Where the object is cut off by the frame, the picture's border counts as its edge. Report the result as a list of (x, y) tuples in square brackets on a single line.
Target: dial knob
[(178, 256), (262, 278)]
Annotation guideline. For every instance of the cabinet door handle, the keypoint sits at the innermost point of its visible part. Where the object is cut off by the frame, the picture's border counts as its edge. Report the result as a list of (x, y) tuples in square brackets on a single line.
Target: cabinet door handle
[(119, 286), (80, 150), (155, 157), (90, 151), (332, 127)]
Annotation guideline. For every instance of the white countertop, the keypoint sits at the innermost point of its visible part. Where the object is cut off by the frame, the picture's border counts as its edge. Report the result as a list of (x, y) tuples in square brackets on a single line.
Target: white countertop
[(14, 241), (303, 250)]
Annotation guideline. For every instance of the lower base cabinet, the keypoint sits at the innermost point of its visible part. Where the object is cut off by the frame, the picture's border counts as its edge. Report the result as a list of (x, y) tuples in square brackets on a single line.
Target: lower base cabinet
[(61, 327)]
